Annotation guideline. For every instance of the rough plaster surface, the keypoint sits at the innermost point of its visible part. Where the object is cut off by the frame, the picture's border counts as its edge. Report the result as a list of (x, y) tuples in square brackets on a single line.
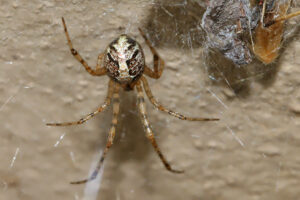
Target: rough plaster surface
[(251, 154)]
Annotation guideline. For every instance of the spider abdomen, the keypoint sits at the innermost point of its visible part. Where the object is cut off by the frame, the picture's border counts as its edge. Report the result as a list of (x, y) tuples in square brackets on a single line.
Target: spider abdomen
[(124, 60)]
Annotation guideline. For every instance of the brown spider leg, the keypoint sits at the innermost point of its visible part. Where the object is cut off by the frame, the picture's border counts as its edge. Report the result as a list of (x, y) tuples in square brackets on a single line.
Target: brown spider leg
[(111, 135), (284, 18), (99, 70), (89, 116), (158, 62), (170, 112), (98, 66), (149, 132)]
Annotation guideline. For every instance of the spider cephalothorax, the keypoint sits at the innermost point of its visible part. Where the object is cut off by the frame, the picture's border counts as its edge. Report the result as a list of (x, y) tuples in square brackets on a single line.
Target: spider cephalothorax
[(124, 63), (124, 60)]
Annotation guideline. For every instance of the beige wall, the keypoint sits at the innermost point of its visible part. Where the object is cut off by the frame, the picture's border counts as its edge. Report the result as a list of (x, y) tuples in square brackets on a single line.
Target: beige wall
[(252, 153)]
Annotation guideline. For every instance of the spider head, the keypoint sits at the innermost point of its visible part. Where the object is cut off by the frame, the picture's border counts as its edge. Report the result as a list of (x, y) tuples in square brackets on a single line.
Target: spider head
[(124, 60)]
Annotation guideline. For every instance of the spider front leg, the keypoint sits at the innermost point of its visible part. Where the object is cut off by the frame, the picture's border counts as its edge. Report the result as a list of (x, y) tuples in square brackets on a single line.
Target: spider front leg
[(99, 70), (158, 62), (111, 135), (98, 66), (170, 112), (89, 116), (149, 132)]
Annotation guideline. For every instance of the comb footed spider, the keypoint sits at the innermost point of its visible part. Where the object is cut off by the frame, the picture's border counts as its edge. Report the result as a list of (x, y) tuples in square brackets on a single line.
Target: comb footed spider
[(124, 62)]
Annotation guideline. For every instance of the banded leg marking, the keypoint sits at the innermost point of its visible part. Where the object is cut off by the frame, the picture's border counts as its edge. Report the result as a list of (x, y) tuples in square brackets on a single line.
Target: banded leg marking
[(89, 116), (149, 132), (170, 112), (99, 71), (111, 135)]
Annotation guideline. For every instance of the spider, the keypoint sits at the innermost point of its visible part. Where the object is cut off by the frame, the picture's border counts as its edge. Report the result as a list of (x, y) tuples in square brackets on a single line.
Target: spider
[(124, 62)]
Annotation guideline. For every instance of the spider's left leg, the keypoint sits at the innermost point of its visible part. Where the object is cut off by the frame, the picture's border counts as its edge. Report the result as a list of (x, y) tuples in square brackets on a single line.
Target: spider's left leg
[(170, 112), (158, 62), (149, 133), (111, 135), (99, 70), (89, 116)]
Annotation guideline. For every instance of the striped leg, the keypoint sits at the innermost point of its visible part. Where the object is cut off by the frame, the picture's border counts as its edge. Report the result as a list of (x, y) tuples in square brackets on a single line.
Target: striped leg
[(283, 18), (99, 70), (170, 112), (149, 133), (111, 135), (158, 63), (89, 116)]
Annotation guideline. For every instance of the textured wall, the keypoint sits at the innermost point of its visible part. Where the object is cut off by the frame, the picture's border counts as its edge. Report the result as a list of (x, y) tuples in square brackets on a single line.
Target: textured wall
[(252, 153)]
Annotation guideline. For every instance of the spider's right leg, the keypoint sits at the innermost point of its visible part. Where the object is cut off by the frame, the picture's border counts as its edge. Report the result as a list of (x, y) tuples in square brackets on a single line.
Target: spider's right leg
[(158, 62), (99, 70), (170, 112), (149, 132), (89, 116), (111, 135)]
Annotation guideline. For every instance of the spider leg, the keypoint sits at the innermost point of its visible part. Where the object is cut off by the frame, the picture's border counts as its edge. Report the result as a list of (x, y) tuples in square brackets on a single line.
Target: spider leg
[(263, 12), (149, 132), (170, 112), (158, 62), (98, 66), (99, 70), (111, 135), (284, 18), (89, 116)]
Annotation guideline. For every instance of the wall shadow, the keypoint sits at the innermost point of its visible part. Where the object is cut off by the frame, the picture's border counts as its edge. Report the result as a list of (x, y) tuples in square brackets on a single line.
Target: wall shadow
[(175, 24), (131, 144), (225, 73)]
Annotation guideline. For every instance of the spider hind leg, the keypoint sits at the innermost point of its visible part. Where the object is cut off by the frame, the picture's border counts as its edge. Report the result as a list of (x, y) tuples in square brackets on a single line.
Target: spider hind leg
[(149, 132), (111, 135)]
